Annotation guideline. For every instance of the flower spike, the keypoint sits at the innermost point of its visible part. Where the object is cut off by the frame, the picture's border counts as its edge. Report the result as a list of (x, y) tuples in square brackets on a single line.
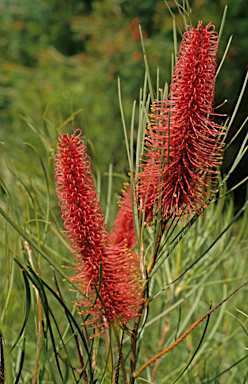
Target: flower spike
[(97, 259), (123, 228), (182, 147)]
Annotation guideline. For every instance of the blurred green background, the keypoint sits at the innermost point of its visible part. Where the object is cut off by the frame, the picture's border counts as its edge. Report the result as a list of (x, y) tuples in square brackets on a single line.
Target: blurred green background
[(58, 56)]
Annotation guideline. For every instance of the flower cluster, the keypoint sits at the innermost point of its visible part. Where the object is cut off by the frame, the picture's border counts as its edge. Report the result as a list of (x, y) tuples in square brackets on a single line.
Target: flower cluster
[(182, 150), (84, 223)]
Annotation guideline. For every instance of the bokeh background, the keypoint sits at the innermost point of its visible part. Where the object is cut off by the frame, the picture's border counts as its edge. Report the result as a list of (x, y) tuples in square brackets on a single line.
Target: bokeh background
[(58, 56)]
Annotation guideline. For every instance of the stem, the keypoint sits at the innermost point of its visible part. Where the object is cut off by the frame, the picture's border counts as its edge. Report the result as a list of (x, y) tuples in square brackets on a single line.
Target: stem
[(134, 342), (120, 360), (154, 258)]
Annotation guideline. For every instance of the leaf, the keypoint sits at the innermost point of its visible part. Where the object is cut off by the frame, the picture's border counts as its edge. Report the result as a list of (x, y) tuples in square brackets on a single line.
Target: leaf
[(47, 310), (240, 322), (21, 361), (197, 348), (226, 370), (27, 308)]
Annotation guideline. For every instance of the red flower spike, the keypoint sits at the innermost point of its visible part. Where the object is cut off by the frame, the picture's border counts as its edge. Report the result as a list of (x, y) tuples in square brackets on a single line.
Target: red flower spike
[(181, 161), (123, 228), (88, 236)]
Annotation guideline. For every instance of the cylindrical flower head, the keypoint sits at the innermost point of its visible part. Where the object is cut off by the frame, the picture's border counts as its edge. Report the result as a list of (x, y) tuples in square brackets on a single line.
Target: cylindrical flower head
[(88, 236), (182, 147)]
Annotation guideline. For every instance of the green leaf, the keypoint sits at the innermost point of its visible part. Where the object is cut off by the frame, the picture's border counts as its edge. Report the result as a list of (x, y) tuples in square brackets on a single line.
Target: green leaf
[(222, 23), (123, 123), (197, 348), (110, 177), (47, 310), (240, 322), (151, 88), (27, 309), (47, 189), (21, 362), (226, 370)]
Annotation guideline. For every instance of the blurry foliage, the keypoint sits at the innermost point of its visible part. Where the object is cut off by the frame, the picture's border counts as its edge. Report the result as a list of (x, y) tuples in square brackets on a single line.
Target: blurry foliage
[(67, 55)]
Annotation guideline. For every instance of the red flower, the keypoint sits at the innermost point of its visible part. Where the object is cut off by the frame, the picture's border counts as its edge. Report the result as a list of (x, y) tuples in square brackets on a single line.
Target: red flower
[(123, 228), (182, 148), (85, 228)]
